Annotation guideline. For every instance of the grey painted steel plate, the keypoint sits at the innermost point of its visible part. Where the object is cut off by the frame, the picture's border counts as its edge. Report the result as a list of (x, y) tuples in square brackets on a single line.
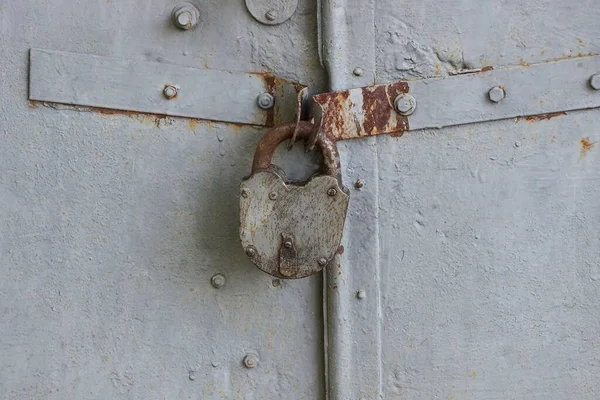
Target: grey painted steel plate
[(132, 85)]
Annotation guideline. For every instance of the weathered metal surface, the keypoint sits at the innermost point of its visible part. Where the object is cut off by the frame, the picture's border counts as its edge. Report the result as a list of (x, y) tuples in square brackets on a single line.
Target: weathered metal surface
[(88, 80), (292, 229), (488, 95), (272, 12)]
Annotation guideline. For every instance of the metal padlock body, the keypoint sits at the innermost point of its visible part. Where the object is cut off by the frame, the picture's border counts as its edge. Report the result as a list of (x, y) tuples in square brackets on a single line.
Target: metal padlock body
[(292, 229)]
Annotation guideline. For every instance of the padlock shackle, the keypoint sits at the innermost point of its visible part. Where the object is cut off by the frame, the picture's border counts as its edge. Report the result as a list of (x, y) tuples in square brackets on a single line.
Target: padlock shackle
[(274, 137)]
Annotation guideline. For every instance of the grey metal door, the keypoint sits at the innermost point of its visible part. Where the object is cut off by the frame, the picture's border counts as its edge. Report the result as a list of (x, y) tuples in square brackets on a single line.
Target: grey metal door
[(471, 262)]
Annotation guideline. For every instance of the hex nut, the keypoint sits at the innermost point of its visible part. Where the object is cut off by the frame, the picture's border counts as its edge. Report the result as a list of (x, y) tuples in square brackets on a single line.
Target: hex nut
[(251, 360), (185, 16), (595, 81), (265, 101), (322, 261), (405, 104), (497, 94), (218, 281), (170, 91)]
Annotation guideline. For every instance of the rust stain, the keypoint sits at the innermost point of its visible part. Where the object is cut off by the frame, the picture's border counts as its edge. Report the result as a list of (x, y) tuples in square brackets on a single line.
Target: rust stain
[(586, 146), (270, 81), (487, 68), (523, 63), (473, 374), (192, 124), (378, 108), (340, 250), (542, 117)]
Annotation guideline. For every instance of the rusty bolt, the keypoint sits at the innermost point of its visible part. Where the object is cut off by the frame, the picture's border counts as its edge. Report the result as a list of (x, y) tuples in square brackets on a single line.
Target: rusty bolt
[(496, 94), (250, 251), (332, 192), (245, 193), (218, 281), (271, 15), (265, 101), (359, 184), (322, 262), (405, 104), (170, 92), (287, 244), (273, 195), (357, 71), (185, 16), (595, 82), (251, 360)]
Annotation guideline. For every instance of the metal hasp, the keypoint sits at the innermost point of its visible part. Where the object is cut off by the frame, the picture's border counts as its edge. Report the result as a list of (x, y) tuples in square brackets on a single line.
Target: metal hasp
[(272, 12), (160, 88), (292, 229), (484, 95)]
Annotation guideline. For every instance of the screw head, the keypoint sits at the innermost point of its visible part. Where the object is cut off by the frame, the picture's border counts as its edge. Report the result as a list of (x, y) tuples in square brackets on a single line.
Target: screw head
[(357, 71), (218, 281), (496, 94), (287, 244), (322, 261), (595, 82), (331, 192), (405, 104), (170, 92), (245, 193), (271, 15), (273, 195), (250, 251), (359, 184), (251, 360), (265, 101)]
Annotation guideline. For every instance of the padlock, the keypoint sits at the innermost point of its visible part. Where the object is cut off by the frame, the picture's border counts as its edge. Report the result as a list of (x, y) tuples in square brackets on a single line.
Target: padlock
[(292, 229)]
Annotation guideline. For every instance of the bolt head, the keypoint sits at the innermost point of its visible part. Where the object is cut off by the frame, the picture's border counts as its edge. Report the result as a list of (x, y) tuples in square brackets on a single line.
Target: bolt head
[(265, 101), (251, 360), (218, 281), (595, 82), (361, 294), (322, 262), (170, 92), (496, 94), (359, 184), (273, 195), (405, 104), (184, 19), (357, 71), (245, 193), (250, 251), (287, 244), (271, 15), (332, 192)]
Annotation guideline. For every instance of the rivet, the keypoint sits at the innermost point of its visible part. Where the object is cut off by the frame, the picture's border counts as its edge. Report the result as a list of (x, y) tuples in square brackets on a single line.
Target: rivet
[(322, 262), (287, 244), (245, 193), (251, 360), (405, 104), (276, 283), (496, 94), (273, 195), (271, 15), (331, 192), (192, 376), (250, 251), (357, 71), (218, 281), (595, 81), (185, 16), (517, 144), (265, 101), (361, 294), (170, 92), (359, 184)]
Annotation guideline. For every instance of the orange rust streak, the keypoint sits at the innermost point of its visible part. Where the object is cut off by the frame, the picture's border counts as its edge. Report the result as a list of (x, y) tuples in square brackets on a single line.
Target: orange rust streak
[(586, 146), (542, 117)]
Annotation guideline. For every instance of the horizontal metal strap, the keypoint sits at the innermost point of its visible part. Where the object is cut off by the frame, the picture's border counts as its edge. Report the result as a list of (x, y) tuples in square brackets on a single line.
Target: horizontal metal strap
[(132, 85), (536, 89)]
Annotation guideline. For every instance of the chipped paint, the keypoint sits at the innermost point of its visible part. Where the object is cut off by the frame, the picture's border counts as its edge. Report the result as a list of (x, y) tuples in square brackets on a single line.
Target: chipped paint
[(586, 146)]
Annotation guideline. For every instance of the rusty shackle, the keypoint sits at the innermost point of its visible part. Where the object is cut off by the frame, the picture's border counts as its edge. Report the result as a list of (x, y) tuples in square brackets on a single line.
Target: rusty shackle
[(273, 138)]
